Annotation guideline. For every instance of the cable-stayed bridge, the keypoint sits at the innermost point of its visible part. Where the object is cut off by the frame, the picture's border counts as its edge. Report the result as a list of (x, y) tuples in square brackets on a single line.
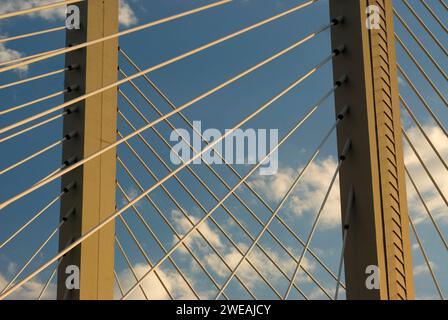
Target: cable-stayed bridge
[(312, 145)]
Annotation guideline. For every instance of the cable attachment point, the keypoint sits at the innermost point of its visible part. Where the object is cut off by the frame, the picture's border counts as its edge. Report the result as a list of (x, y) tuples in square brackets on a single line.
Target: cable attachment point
[(70, 186), (72, 88), (337, 21), (341, 81), (73, 67), (343, 112), (70, 161), (71, 135), (338, 50)]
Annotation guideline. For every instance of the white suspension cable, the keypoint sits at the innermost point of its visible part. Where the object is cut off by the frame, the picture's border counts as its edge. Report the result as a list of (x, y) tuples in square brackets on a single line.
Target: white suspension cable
[(166, 178), (417, 123), (420, 44), (113, 36), (422, 99), (163, 64), (41, 76), (434, 15), (423, 73), (32, 34), (425, 167), (38, 8), (30, 103), (317, 219), (33, 156), (173, 106), (425, 27), (345, 229), (422, 200), (277, 210), (35, 126), (427, 261), (166, 116)]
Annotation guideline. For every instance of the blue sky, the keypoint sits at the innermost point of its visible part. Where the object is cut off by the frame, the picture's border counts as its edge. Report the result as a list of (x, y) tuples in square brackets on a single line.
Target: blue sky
[(184, 81)]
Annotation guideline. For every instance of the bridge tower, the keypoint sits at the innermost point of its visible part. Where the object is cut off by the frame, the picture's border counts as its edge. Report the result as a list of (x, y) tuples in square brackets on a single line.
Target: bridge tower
[(378, 230), (94, 121)]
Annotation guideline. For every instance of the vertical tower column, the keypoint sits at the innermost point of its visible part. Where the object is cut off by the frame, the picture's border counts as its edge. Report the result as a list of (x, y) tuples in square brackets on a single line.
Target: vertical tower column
[(378, 233), (94, 122)]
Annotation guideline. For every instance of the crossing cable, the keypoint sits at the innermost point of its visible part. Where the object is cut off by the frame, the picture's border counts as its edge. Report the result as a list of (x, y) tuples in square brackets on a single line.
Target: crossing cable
[(443, 4), (423, 73), (173, 229), (148, 260), (38, 214), (423, 100), (417, 123), (53, 273), (434, 15), (422, 200), (307, 115), (427, 261), (41, 76), (42, 246), (114, 36), (161, 65), (47, 283), (278, 208), (166, 116), (417, 154), (420, 44), (35, 101), (154, 23), (154, 236), (185, 214), (424, 26), (117, 280), (197, 225), (342, 157), (345, 229), (66, 164), (128, 262), (280, 219), (32, 34), (13, 61), (200, 205), (35, 126), (166, 178), (38, 153), (143, 252), (37, 9)]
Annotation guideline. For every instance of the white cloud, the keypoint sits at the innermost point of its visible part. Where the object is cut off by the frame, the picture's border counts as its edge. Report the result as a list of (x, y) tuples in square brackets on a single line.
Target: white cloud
[(153, 287), (30, 290), (51, 14), (183, 226), (423, 269), (232, 256), (127, 15), (435, 203), (309, 194), (7, 54)]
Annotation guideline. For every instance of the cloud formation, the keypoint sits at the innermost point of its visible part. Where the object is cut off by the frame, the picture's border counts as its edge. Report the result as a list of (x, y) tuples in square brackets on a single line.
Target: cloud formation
[(127, 15), (308, 195), (433, 200), (30, 290)]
